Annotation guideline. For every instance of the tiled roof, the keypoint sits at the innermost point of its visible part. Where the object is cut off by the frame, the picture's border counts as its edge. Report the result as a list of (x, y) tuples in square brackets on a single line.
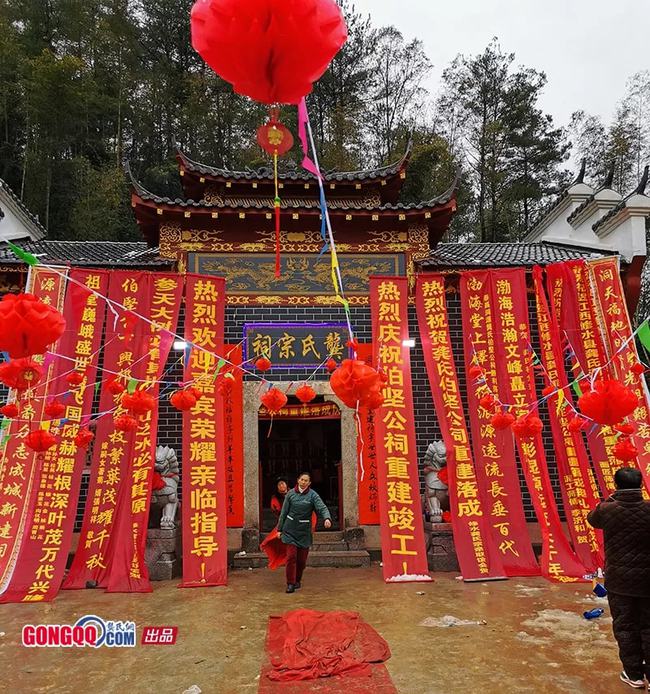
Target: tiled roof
[(38, 230), (87, 253), (612, 213), (465, 255)]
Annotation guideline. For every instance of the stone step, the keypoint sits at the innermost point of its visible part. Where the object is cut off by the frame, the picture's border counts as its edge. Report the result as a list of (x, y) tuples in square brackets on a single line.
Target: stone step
[(327, 537), (350, 558), (341, 546)]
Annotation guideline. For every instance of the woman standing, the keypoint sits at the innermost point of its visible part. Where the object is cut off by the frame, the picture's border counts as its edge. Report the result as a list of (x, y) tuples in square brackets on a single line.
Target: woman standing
[(295, 527), (277, 500)]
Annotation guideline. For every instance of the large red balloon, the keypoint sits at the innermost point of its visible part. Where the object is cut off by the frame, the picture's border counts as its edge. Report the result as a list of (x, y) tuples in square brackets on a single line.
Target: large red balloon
[(270, 50), (27, 325)]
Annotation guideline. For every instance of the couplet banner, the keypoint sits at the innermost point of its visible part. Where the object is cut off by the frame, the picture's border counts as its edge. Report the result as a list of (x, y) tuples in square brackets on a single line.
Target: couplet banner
[(475, 545), (367, 482), (233, 418), (572, 305), (20, 467), (606, 283), (402, 529), (204, 508), (494, 449), (127, 572), (125, 348), (513, 353), (579, 491), (44, 552)]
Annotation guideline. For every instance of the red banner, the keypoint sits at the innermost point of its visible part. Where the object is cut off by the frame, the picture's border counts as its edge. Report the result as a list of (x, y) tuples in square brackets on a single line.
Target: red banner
[(476, 549), (44, 552), (233, 412), (309, 410), (124, 350), (606, 281), (514, 369), (494, 449), (402, 529), (127, 572), (579, 491), (20, 467), (205, 546), (573, 308), (367, 488)]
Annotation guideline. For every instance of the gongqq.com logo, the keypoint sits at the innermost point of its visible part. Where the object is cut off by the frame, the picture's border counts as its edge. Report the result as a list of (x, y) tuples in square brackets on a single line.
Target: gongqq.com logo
[(87, 631)]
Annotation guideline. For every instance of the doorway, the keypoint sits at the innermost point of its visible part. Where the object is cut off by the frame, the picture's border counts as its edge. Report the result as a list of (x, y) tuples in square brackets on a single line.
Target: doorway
[(295, 445)]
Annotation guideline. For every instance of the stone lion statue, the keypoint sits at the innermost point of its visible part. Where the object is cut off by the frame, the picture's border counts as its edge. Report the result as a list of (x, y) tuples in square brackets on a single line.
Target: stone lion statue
[(165, 499), (436, 495)]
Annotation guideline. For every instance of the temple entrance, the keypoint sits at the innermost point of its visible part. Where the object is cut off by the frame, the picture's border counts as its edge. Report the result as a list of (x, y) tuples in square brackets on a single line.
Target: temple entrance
[(301, 443)]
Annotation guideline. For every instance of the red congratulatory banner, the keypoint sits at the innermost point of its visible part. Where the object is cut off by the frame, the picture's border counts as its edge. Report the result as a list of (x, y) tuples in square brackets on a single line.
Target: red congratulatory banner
[(402, 529)]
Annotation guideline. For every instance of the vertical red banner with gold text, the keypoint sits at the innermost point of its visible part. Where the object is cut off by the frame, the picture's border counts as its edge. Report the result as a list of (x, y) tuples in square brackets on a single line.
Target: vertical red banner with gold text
[(44, 553), (577, 485), (606, 283), (476, 549), (401, 521), (205, 542), (125, 348), (20, 467), (367, 489), (572, 305), (514, 370), (233, 415), (127, 570), (494, 449)]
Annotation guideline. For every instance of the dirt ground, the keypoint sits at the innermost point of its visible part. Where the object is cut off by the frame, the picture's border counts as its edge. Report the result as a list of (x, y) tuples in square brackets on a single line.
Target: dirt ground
[(535, 638)]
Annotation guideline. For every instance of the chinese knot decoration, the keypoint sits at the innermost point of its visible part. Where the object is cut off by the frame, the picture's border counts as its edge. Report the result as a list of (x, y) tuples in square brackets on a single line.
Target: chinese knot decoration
[(608, 403), (269, 51), (357, 384), (21, 374), (28, 326)]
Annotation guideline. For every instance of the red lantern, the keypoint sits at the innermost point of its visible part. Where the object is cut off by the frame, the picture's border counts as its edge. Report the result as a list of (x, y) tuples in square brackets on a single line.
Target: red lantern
[(55, 409), (502, 420), (625, 450), (270, 51), (40, 440), (637, 368), (114, 387), (183, 400), (331, 365), (83, 438), (10, 410), (475, 372), (549, 390), (263, 364), (274, 400), (28, 325), (75, 378), (487, 401), (21, 374), (139, 402), (609, 403), (577, 424), (357, 384), (274, 137), (625, 429), (375, 400), (125, 422), (527, 426), (305, 393)]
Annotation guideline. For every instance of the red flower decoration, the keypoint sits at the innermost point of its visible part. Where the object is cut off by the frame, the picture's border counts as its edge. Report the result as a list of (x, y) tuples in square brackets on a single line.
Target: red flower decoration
[(475, 372), (609, 403), (28, 325), (10, 410), (527, 426), (502, 420), (21, 374), (40, 440), (125, 422), (183, 400), (263, 364), (114, 387), (357, 383), (75, 378), (331, 365), (305, 393), (139, 402), (625, 450), (625, 428), (637, 368), (274, 400), (83, 438), (54, 409), (269, 51)]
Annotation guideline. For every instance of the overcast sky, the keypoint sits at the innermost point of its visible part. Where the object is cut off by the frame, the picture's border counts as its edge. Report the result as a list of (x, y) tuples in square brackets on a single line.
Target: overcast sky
[(587, 48)]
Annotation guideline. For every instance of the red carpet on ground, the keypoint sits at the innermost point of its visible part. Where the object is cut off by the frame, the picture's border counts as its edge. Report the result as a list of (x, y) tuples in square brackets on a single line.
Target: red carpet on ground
[(309, 651)]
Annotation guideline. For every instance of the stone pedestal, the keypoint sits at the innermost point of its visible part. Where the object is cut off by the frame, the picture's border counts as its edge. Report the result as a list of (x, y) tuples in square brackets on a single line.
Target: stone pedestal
[(163, 553), (250, 540), (441, 553), (355, 538)]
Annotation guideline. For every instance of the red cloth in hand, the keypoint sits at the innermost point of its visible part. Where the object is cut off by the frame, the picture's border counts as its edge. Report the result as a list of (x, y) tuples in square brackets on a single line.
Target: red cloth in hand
[(305, 644), (275, 549)]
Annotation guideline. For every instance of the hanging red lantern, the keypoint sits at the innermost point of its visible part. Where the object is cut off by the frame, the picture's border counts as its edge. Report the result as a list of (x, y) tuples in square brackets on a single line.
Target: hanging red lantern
[(637, 368), (305, 393), (331, 365), (114, 386), (139, 402), (527, 426), (502, 420), (577, 424), (625, 450), (10, 410), (609, 403), (75, 378), (40, 440), (274, 137), (125, 422), (263, 364), (487, 402), (183, 400), (55, 409), (549, 390), (475, 372), (274, 400), (357, 384), (269, 51), (625, 429), (83, 438), (21, 374), (28, 326)]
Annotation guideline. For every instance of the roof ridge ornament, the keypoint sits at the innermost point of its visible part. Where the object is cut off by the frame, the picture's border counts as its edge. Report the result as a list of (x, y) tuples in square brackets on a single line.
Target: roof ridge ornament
[(581, 174), (609, 179), (640, 189)]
